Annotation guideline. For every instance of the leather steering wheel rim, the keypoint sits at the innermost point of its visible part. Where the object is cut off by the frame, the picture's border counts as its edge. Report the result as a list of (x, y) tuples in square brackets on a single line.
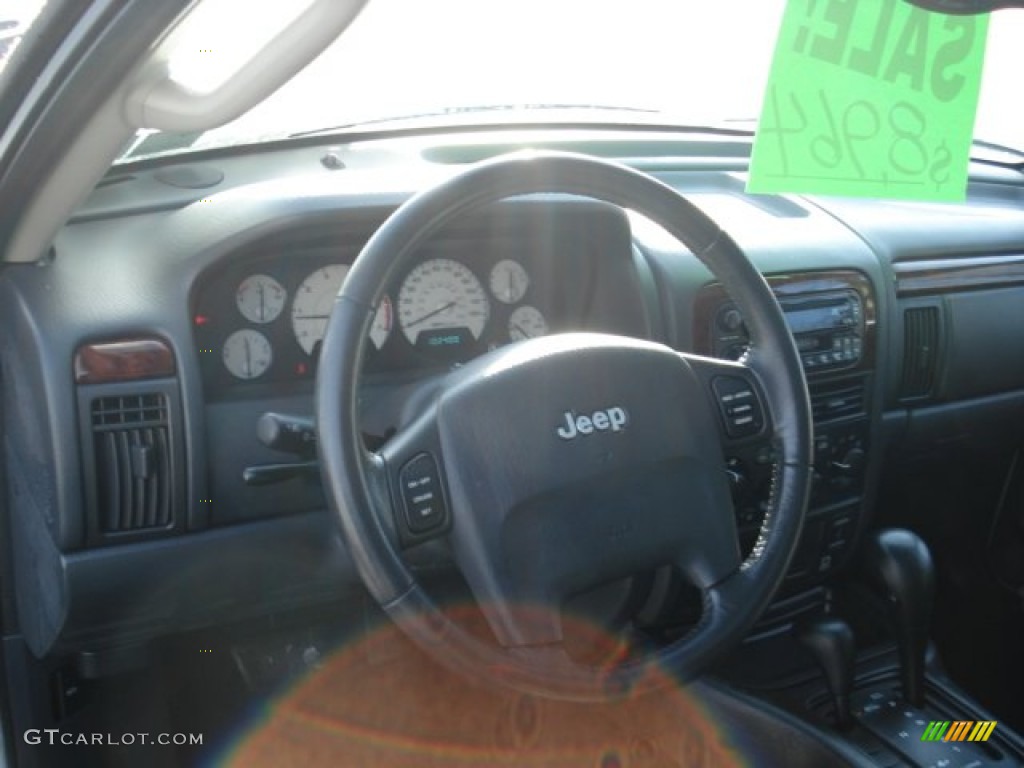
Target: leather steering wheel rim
[(355, 479)]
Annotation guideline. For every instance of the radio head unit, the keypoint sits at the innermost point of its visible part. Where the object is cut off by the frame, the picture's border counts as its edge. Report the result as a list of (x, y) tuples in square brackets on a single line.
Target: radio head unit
[(828, 328)]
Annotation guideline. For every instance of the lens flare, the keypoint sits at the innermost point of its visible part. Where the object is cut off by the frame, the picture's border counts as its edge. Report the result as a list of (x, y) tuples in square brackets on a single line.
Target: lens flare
[(379, 701)]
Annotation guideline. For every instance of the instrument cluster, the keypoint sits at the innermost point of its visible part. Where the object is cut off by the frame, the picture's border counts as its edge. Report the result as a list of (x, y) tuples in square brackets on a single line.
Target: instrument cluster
[(261, 318)]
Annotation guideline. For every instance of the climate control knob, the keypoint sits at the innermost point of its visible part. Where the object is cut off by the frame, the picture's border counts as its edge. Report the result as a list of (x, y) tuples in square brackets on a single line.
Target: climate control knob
[(730, 320)]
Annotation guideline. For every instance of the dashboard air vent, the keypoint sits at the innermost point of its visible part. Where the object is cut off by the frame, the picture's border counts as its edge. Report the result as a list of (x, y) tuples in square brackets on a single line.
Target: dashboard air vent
[(132, 450), (837, 400), (920, 351)]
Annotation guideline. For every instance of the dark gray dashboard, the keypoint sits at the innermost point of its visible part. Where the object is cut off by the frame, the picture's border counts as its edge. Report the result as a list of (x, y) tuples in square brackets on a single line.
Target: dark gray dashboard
[(145, 260)]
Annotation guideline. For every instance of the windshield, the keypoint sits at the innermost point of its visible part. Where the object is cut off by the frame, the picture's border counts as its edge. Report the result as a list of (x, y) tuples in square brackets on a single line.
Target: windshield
[(16, 16), (664, 61)]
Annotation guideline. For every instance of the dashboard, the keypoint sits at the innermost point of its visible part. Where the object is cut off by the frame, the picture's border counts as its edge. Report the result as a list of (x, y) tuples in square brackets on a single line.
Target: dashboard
[(140, 358)]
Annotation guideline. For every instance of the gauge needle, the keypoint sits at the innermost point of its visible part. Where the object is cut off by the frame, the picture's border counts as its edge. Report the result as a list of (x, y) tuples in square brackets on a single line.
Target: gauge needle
[(248, 359), (429, 315), (517, 327), (263, 313)]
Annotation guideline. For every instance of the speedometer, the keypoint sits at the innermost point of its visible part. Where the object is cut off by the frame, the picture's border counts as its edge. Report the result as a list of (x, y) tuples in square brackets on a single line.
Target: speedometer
[(314, 301), (442, 300)]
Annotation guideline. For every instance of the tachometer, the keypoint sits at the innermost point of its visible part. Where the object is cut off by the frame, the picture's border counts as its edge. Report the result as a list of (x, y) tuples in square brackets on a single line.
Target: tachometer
[(313, 303), (260, 298), (247, 354), (444, 299)]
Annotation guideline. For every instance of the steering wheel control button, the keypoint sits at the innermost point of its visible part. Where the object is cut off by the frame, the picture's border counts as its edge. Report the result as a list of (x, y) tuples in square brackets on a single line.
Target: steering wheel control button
[(421, 494), (739, 406)]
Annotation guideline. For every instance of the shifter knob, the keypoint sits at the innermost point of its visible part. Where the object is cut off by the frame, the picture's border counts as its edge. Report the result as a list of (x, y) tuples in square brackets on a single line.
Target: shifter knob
[(897, 564), (831, 641)]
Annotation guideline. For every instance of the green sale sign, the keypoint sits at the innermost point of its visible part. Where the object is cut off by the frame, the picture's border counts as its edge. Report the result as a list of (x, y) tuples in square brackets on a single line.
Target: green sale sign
[(871, 98)]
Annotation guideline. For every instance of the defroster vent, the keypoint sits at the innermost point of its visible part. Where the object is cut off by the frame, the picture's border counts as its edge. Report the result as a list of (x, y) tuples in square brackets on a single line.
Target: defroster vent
[(133, 460)]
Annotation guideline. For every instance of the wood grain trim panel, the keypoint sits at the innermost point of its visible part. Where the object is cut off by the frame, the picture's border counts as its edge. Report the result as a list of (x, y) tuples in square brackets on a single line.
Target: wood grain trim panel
[(928, 278), (123, 360)]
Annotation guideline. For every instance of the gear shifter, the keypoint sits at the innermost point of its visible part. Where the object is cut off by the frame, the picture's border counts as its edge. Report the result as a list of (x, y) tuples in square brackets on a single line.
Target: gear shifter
[(897, 564), (831, 641)]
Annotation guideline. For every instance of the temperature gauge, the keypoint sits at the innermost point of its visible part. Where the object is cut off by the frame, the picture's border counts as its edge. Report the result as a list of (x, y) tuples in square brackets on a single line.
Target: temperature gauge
[(526, 323)]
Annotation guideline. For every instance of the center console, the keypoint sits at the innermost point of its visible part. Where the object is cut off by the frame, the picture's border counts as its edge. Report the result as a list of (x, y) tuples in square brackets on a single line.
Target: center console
[(849, 657), (897, 709), (832, 316)]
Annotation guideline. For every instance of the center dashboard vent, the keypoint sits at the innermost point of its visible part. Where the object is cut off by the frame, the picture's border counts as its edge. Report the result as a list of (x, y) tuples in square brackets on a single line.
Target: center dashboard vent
[(132, 451)]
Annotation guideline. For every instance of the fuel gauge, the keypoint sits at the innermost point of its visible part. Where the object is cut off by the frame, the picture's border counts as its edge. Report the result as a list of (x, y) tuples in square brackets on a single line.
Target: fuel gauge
[(247, 354)]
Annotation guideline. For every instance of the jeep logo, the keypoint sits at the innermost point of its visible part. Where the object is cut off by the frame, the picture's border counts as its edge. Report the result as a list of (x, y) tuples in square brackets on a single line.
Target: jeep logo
[(614, 419)]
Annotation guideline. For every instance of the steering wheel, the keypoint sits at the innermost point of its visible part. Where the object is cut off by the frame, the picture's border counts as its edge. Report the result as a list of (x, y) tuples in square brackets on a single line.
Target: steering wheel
[(565, 462)]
